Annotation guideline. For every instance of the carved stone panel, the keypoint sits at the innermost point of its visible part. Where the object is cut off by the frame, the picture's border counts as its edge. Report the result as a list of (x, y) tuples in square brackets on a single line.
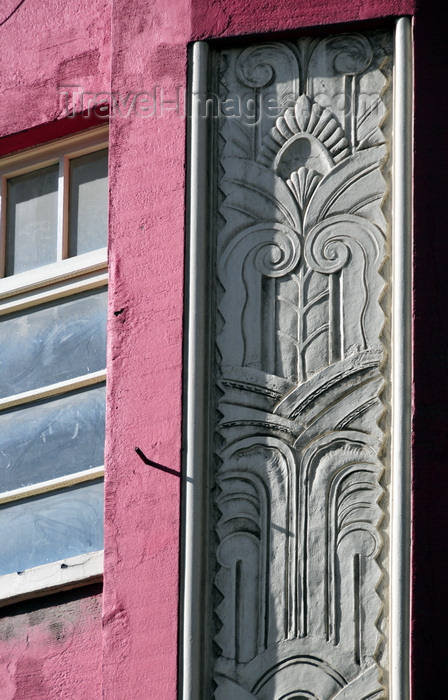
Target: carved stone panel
[(300, 510)]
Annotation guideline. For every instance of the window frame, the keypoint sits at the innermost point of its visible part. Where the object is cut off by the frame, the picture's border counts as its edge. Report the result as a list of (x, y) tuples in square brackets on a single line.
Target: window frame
[(24, 290)]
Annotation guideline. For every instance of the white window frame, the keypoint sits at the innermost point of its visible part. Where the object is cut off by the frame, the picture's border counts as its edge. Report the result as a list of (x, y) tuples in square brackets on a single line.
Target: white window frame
[(63, 278)]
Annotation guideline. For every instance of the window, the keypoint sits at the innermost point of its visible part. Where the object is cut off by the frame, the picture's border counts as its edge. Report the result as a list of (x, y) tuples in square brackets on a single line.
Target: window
[(53, 303)]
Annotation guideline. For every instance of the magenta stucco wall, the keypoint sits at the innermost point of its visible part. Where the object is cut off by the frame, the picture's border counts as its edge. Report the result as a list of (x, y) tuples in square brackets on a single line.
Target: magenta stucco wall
[(50, 648), (126, 48), (44, 45), (147, 176)]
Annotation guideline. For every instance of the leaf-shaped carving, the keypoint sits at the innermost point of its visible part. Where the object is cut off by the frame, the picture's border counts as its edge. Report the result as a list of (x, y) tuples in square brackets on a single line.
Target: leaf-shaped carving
[(355, 183), (238, 139), (254, 194), (366, 686), (368, 119), (302, 183), (327, 389), (371, 110)]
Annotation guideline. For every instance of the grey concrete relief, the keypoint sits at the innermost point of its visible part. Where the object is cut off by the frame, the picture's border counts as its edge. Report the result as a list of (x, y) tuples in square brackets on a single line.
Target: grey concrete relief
[(299, 553)]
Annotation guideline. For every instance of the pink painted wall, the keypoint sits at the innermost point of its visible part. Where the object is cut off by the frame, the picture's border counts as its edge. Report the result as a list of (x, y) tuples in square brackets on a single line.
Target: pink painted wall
[(233, 17), (115, 45), (44, 45), (49, 647), (147, 174)]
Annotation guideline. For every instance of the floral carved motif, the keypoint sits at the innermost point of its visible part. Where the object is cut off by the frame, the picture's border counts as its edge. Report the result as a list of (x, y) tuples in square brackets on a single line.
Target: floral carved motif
[(300, 506)]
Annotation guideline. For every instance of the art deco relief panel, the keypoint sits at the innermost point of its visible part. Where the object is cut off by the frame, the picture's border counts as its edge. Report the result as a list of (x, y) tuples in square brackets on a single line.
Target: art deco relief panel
[(299, 478)]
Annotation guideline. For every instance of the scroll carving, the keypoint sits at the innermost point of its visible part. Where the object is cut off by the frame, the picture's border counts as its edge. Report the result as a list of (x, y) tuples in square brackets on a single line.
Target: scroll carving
[(300, 482)]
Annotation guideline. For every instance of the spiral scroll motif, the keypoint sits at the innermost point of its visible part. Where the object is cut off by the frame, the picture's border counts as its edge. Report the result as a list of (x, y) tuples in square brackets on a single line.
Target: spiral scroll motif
[(275, 249), (351, 53), (279, 255), (331, 244), (326, 249), (257, 66)]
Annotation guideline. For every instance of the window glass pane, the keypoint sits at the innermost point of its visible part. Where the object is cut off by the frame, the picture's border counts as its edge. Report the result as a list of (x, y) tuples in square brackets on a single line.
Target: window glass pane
[(32, 219), (54, 526), (52, 438), (88, 203), (53, 342)]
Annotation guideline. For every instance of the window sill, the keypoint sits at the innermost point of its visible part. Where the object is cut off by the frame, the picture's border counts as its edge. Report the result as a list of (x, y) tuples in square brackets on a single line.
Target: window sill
[(49, 578)]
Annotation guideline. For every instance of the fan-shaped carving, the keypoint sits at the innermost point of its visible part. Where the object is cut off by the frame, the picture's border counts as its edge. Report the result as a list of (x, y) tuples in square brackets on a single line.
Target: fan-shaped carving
[(306, 120), (302, 183)]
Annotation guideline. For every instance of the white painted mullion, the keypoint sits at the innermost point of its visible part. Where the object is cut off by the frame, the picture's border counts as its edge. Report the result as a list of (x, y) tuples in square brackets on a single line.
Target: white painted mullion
[(51, 485), (50, 390), (401, 365), (87, 263), (41, 296)]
